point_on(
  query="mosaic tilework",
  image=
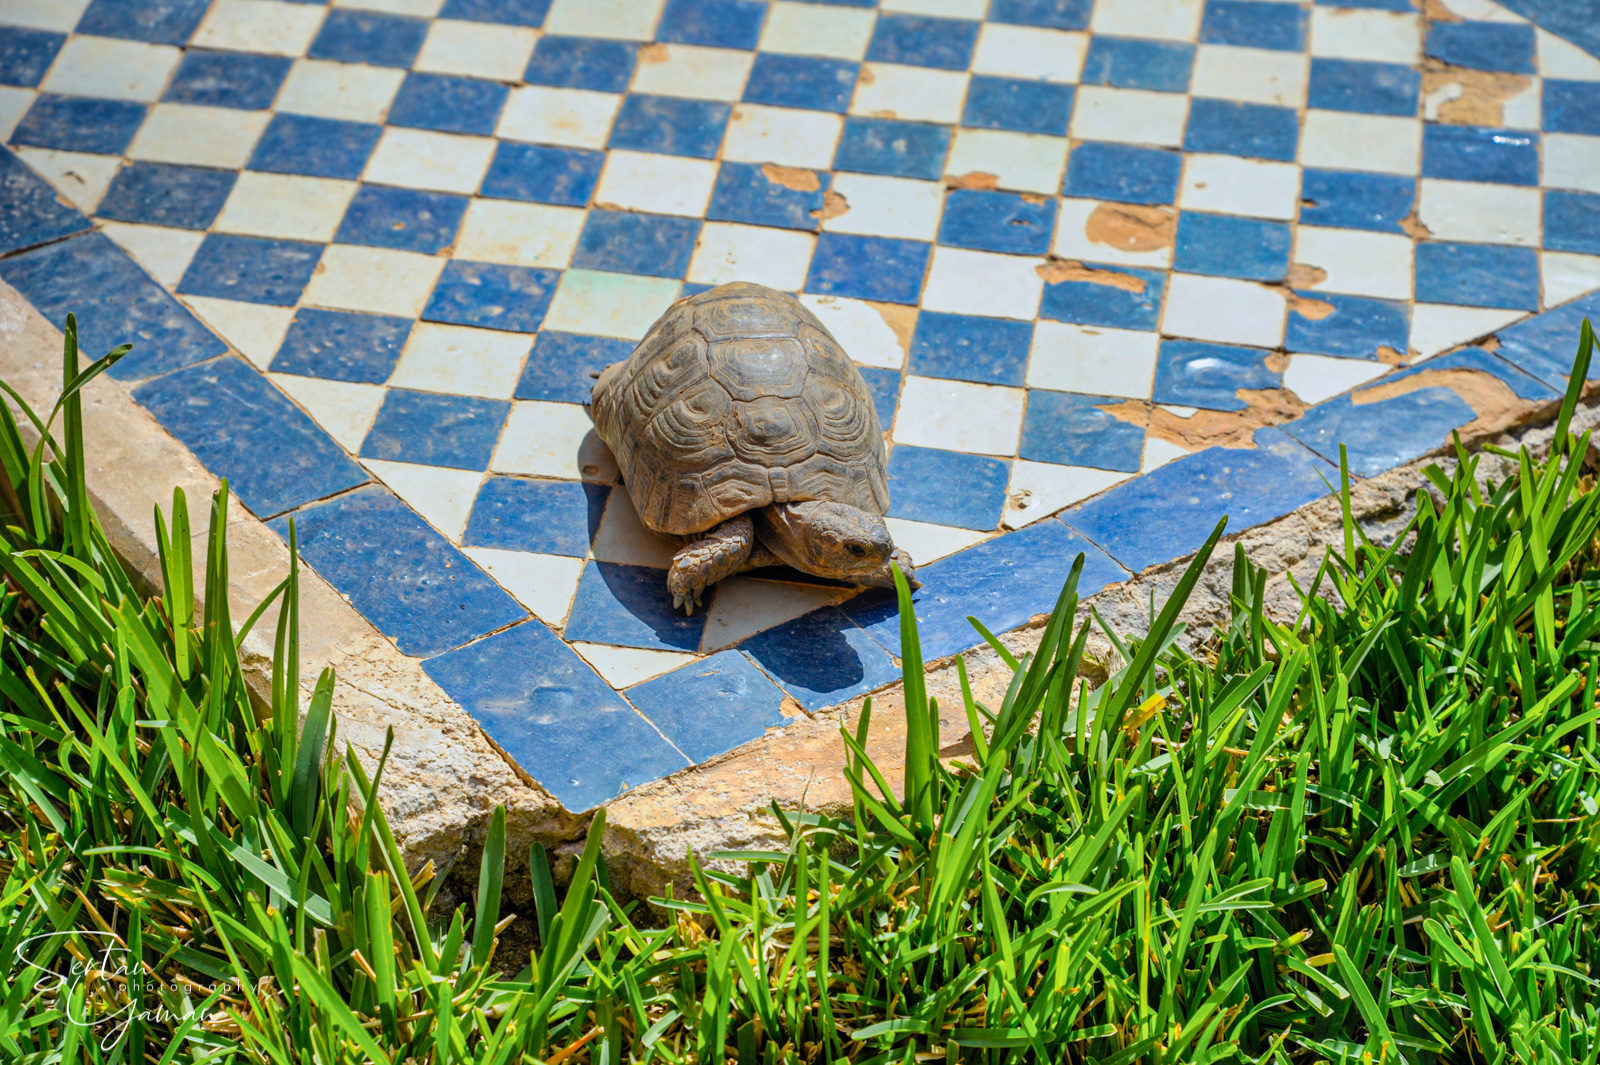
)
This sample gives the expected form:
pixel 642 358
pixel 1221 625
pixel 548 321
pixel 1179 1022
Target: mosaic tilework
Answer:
pixel 372 254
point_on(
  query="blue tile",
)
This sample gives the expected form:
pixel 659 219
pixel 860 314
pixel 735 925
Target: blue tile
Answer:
pixel 711 706
pixel 801 81
pixel 890 146
pixel 448 104
pixel 30 211
pixel 1483 46
pixel 1349 200
pixel 1131 63
pixel 1480 153
pixel 923 42
pixel 1122 172
pixel 885 388
pixel 26 54
pixel 563 366
pixel 1018 104
pixel 998 221
pixel 1057 14
pixel 868 268
pixel 79 124
pixel 1356 329
pixel 1071 430
pixel 1190 373
pixel 720 23
pixel 554 716
pixel 160 194
pixel 342 346
pixel 1117 306
pixel 156 21
pixel 1223 245
pixel 582 63
pixel 505 12
pixel 822 658
pixel 541 174
pixel 670 126
pixel 522 514
pixel 240 427
pixel 1572 106
pixel 1572 221
pixel 115 301
pixel 1252 24
pixel 965 347
pixel 1369 88
pixel 430 429
pixel 385 217
pixel 1168 513
pixel 633 243
pixel 923 482
pixel 1255 131
pixel 744 193
pixel 227 79
pixel 629 606
pixel 1478 275
pixel 318 147
pixel 1405 6
pixel 1575 22
pixel 368 37
pixel 1546 344
pixel 399 573
pixel 1003 583
pixel 252 269
pixel 491 296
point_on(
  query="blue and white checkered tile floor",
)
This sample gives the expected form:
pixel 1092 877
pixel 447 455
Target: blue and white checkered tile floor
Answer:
pixel 372 252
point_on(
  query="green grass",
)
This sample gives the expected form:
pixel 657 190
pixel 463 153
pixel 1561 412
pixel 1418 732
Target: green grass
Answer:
pixel 1369 834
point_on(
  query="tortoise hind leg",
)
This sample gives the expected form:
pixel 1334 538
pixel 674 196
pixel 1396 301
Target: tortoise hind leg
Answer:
pixel 720 553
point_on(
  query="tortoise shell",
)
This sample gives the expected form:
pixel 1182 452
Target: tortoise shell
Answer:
pixel 739 397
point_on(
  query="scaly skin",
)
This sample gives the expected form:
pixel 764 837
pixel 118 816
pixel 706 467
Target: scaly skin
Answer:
pixel 722 552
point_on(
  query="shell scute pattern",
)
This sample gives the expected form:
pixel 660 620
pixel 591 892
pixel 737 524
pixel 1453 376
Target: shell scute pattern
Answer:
pixel 773 431
pixel 745 317
pixel 750 368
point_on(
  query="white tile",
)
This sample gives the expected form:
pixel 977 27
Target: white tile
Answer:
pixel 1524 110
pixel 519 234
pixel 692 71
pixel 62 15
pixel 1124 234
pixel 982 282
pixel 1093 360
pixel 926 542
pixel 349 91
pixel 259 26
pixel 661 184
pixel 782 135
pixel 1437 327
pixel 254 329
pixel 777 258
pixel 1571 162
pixel 1024 162
pixel 409 8
pixel 744 607
pixel 633 20
pixel 198 136
pixel 1315 378
pixel 477 49
pixel 423 159
pixel 1357 263
pixel 1224 310
pixel 606 304
pixel 80 177
pixel 543 583
pixel 379 280
pixel 574 117
pixel 859 329
pixel 461 361
pixel 344 408
pixel 1029 52
pixel 623 538
pixel 1039 489
pixel 959 416
pixel 811 29
pixel 1480 11
pixel 164 252
pixel 1159 452
pixel 14 103
pixel 918 94
pixel 1130 115
pixel 1254 75
pixel 1559 58
pixel 623 667
pixel 1240 186
pixel 1479 212
pixel 970 9
pixel 109 67
pixel 285 206
pixel 888 206
pixel 1341 140
pixel 1355 33
pixel 442 496
pixel 1567 276
pixel 1176 20
pixel 553 440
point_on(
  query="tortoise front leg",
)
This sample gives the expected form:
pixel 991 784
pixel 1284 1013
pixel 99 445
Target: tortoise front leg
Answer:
pixel 720 553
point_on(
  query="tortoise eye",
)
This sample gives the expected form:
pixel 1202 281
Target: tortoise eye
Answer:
pixel 857 550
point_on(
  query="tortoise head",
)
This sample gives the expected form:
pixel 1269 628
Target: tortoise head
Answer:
pixel 831 540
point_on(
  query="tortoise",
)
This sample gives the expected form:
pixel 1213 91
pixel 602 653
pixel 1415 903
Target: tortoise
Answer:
pixel 743 429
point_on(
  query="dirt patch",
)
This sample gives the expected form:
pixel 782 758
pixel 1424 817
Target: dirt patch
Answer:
pixel 1132 227
pixel 1302 275
pixel 978 179
pixel 1213 428
pixel 866 76
pixel 1469 97
pixel 1313 309
pixel 797 178
pixel 1413 226
pixel 1435 11
pixel 833 205
pixel 1390 357
pixel 654 53
pixel 1491 399
pixel 899 317
pixel 1055 271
